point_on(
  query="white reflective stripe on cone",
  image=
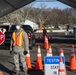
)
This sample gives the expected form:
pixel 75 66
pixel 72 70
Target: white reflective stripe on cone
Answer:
pixel 38 54
pixel 49 55
pixel 62 66
pixel 62 73
pixel 72 50
pixel 28 55
pixel 39 50
pixel 61 54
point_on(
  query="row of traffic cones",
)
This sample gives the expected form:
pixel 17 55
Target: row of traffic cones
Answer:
pixel 38 65
pixel 39 58
pixel 62 68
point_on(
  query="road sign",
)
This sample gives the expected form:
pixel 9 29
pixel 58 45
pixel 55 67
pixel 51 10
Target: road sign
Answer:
pixel 2 37
pixel 51 64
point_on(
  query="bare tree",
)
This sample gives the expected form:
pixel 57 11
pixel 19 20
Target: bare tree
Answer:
pixel 19 15
pixel 42 16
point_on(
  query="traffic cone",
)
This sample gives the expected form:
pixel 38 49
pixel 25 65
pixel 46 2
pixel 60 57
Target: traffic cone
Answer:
pixel 28 61
pixel 46 45
pixel 61 70
pixel 72 59
pixel 39 65
pixel 62 54
pixel 61 51
pixel 1 73
pixel 49 51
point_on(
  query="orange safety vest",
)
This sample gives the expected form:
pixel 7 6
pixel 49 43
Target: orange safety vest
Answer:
pixel 18 39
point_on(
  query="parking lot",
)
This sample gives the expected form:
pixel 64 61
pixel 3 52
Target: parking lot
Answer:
pixel 7 64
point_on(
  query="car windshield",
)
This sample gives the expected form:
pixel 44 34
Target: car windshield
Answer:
pixel 12 28
pixel 27 28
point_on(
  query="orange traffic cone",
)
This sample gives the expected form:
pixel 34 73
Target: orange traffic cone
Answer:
pixel 46 45
pixel 49 51
pixel 72 59
pixel 61 51
pixel 28 61
pixel 61 70
pixel 1 73
pixel 62 54
pixel 39 65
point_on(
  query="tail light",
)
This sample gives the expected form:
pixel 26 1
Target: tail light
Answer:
pixel 29 35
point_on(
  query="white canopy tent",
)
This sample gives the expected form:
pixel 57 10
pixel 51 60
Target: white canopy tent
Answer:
pixel 32 24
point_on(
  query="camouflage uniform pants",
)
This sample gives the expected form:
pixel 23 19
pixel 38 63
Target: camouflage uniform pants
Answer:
pixel 22 60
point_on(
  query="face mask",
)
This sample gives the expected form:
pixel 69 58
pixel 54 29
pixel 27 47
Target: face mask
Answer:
pixel 17 27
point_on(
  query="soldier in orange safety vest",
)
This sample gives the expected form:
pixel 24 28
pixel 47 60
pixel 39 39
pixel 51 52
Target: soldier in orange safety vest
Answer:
pixel 19 48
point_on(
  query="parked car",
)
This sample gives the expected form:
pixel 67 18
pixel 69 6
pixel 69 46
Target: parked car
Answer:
pixel 29 32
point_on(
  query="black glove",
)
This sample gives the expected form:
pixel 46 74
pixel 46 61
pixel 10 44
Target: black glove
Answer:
pixel 25 52
pixel 11 52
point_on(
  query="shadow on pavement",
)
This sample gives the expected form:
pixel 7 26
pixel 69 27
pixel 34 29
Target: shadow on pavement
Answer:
pixel 67 41
pixel 30 72
pixel 67 68
pixel 21 68
pixel 35 72
pixel 67 63
pixel 5 69
pixel 4 47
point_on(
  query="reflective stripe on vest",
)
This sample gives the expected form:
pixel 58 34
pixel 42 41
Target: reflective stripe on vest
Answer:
pixel 18 39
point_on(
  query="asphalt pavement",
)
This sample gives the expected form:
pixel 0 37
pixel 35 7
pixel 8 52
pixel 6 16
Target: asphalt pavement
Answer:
pixel 7 64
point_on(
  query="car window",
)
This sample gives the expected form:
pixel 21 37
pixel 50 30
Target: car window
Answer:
pixel 5 27
pixel 12 28
pixel 27 28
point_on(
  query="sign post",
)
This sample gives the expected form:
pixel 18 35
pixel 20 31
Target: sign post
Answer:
pixel 2 37
pixel 51 65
